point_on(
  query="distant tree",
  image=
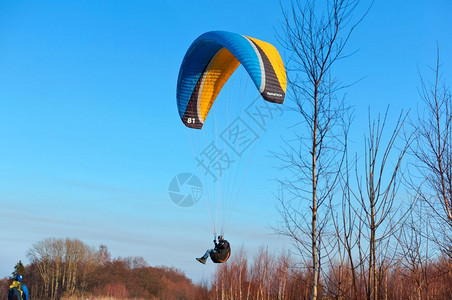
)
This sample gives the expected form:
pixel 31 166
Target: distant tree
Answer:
pixel 115 290
pixel 103 254
pixel 63 265
pixel 136 262
pixel 4 284
pixel 231 278
pixel 19 269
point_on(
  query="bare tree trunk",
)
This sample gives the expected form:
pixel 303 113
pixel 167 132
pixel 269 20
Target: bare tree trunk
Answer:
pixel 240 280
pixel 248 293
pixel 372 293
pixel 386 285
pixel 315 262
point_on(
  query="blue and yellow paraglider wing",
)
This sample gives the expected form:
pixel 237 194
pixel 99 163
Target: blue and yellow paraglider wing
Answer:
pixel 211 60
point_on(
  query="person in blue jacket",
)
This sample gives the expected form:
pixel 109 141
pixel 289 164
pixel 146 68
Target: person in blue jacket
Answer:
pixel 18 290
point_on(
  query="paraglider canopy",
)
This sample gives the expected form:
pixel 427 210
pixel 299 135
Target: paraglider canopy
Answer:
pixel 223 149
pixel 211 60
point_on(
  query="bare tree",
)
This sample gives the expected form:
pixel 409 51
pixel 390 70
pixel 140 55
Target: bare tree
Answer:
pixel 316 41
pixel 382 214
pixel 433 148
pixel 433 157
pixel 63 265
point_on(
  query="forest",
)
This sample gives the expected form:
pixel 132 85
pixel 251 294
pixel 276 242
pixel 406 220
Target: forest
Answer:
pixel 70 269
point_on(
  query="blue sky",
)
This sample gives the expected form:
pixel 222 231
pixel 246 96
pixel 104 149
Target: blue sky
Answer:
pixel 91 137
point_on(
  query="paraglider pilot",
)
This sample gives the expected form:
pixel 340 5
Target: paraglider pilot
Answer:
pixel 219 254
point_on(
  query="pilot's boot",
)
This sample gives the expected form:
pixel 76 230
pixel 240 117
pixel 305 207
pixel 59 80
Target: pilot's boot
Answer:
pixel 202 260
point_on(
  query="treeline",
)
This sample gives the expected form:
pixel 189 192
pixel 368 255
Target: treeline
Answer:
pixel 69 269
pixel 283 277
